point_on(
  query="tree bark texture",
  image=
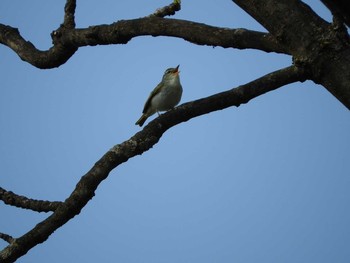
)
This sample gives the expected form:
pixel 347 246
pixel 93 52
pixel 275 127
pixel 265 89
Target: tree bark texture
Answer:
pixel 322 47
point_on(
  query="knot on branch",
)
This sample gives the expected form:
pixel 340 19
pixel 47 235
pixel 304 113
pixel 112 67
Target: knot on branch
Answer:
pixel 58 34
pixel 55 35
pixel 62 37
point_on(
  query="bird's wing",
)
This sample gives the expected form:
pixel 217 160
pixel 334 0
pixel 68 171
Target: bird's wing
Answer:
pixel 148 101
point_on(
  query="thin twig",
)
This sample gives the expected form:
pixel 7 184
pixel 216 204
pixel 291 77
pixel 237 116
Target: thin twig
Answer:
pixel 13 199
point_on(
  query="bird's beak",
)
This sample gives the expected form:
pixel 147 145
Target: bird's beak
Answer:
pixel 177 69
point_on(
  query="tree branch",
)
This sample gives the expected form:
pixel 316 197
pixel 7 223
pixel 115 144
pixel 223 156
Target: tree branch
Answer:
pixel 7 238
pixel 13 199
pixel 339 8
pixel 267 13
pixel 168 10
pixel 69 12
pixel 197 33
pixel 138 144
pixel 54 57
pixel 324 50
pixel 67 41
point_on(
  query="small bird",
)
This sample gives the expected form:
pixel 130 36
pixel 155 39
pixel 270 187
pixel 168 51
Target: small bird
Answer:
pixel 165 96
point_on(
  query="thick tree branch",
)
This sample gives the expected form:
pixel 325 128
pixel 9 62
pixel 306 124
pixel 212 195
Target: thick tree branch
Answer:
pixel 7 238
pixel 67 41
pixel 296 31
pixel 311 40
pixel 13 199
pixel 339 8
pixel 196 33
pixel 138 144
pixel 54 57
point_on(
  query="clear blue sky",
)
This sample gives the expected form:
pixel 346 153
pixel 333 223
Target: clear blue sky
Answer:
pixel 265 182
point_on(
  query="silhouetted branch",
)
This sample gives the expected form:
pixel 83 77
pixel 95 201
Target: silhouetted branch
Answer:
pixel 339 8
pixel 13 199
pixel 138 144
pixel 69 13
pixel 67 41
pixel 310 39
pixel 168 10
pixel 54 57
pixel 7 238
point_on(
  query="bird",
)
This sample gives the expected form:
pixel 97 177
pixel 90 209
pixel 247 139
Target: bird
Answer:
pixel 165 96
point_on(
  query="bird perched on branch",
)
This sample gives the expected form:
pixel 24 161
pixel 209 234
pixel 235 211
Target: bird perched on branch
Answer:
pixel 165 96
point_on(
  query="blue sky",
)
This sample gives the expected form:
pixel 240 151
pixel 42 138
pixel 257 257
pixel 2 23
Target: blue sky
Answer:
pixel 265 182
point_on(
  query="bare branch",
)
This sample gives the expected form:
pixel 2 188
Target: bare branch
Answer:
pixel 67 41
pixel 197 33
pixel 54 57
pixel 168 10
pixel 325 50
pixel 69 12
pixel 7 238
pixel 139 143
pixel 13 199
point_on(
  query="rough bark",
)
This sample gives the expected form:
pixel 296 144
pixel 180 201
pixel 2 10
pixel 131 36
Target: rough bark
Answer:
pixel 339 8
pixel 322 47
pixel 68 40
pixel 13 199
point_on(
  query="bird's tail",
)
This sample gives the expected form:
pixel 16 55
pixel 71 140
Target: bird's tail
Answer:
pixel 142 120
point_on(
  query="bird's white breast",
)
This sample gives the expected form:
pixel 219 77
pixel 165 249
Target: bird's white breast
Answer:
pixel 169 97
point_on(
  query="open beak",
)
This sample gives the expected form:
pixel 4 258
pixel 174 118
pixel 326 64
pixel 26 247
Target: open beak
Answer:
pixel 177 69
